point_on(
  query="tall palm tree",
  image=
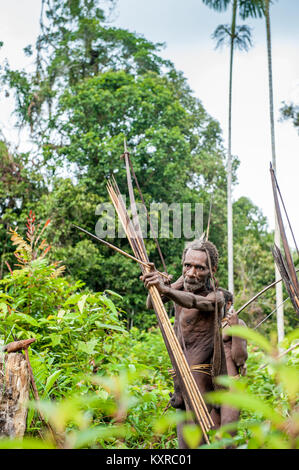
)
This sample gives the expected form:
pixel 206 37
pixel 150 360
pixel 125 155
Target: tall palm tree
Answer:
pixel 261 8
pixel 240 37
pixel 279 295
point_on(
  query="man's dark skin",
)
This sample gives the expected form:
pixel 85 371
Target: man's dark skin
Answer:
pixel 194 317
pixel 235 349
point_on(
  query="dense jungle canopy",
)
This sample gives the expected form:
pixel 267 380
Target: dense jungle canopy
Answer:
pixel 92 85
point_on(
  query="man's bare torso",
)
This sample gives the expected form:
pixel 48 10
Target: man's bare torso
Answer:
pixel 195 332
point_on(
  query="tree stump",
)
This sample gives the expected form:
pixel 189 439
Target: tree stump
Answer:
pixel 14 393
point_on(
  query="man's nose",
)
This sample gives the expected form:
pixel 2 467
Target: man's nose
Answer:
pixel 192 271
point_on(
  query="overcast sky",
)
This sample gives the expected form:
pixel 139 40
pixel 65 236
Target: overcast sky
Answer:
pixel 186 27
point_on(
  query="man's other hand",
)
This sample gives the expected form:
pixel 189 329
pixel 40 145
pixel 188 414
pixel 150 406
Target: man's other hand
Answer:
pixel 232 317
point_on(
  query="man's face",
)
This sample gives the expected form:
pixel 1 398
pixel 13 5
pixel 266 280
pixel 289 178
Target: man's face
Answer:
pixel 228 306
pixel 195 270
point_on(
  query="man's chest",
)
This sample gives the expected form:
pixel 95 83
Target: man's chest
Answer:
pixel 192 319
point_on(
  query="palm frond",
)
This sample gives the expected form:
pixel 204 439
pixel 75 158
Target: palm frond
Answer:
pixel 221 35
pixel 218 5
pixel 251 9
pixel 243 38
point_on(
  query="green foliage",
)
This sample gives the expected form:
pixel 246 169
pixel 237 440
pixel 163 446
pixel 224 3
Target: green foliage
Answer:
pixel 75 42
pixel 102 386
pixel 98 384
pixel 290 112
pixel 268 396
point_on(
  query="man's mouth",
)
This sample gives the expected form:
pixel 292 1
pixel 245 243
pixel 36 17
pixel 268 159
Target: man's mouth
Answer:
pixel 193 284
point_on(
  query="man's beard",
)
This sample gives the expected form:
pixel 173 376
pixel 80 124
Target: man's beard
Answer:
pixel 193 285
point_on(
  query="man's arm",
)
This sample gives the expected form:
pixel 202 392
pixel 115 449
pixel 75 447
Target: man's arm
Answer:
pixel 183 298
pixel 178 284
pixel 239 345
pixel 190 300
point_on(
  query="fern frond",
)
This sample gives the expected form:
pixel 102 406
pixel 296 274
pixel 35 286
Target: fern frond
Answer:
pixel 58 272
pixel 19 241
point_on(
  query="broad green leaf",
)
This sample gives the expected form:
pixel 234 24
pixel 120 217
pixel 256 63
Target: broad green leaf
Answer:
pixel 56 339
pixel 111 292
pixel 71 315
pixel 109 304
pixel 109 327
pixel 62 412
pixel 289 376
pixel 23 317
pixel 88 347
pixel 3 307
pixel 89 436
pixel 81 303
pixel 51 380
pixel 192 435
pixel 5 296
pixel 245 401
pixel 251 336
pixel 276 442
pixel 60 315
pixel 72 300
pixel 169 420
pixel 293 335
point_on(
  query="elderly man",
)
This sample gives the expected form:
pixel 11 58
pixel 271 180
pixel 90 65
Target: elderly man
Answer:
pixel 198 314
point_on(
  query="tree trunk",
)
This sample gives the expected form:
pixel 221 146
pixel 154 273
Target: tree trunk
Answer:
pixel 229 159
pixel 279 295
pixel 14 393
